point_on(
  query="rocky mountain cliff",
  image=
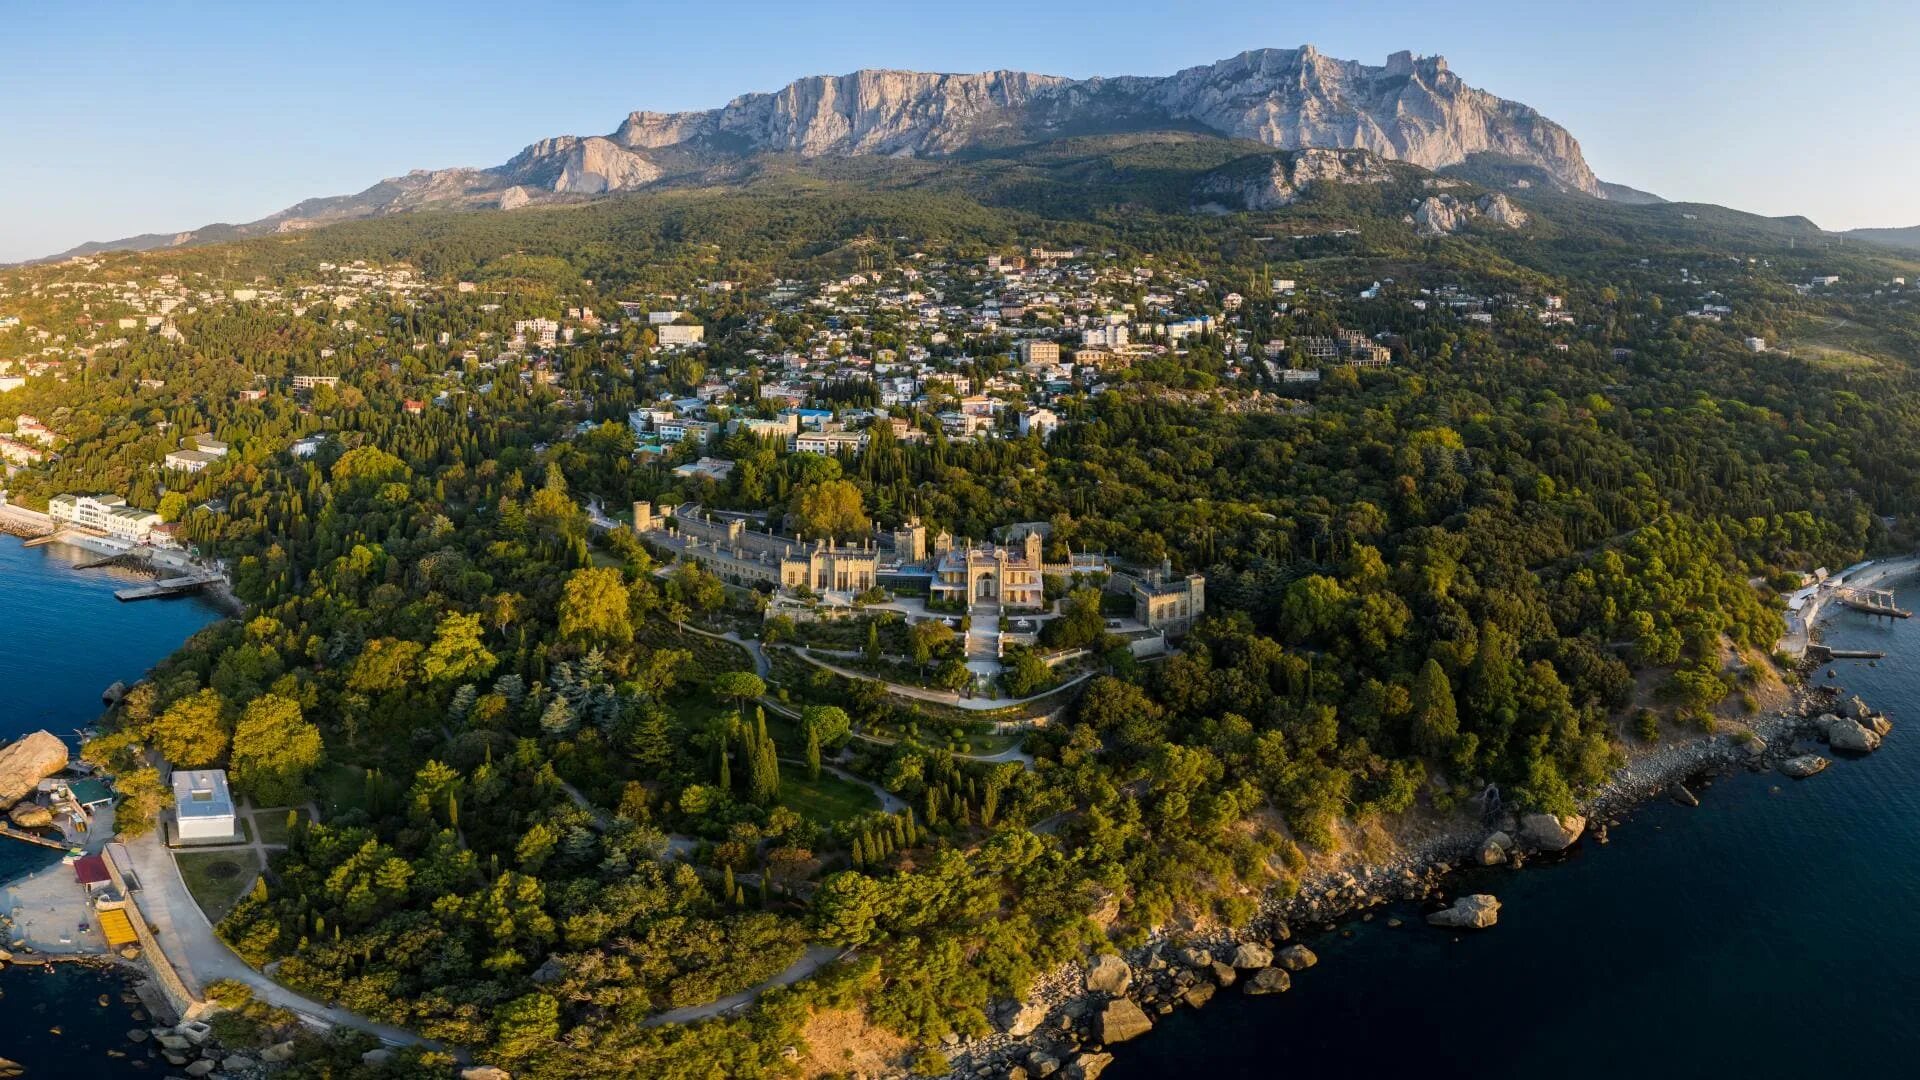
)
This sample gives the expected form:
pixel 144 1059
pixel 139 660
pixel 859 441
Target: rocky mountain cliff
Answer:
pixel 1411 109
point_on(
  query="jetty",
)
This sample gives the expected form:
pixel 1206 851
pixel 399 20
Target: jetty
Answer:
pixel 176 586
pixel 7 829
pixel 1871 601
pixel 1821 654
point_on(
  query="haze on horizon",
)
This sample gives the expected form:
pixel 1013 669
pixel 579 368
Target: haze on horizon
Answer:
pixel 170 116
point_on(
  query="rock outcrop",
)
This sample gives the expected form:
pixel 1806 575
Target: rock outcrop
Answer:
pixel 1476 912
pixel 1411 109
pixel 1122 1020
pixel 1251 954
pixel 1022 1019
pixel 30 816
pixel 27 761
pixel 1803 766
pixel 1270 980
pixel 1109 975
pixel 1493 850
pixel 1296 958
pixel 1444 215
pixel 1548 832
pixel 1848 734
pixel 1271 181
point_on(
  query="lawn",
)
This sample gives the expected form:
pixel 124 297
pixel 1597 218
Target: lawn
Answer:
pixel 826 800
pixel 218 879
pixel 273 824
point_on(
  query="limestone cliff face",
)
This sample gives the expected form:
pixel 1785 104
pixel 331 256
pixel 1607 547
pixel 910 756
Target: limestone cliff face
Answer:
pixel 1268 182
pixel 1411 109
pixel 1443 215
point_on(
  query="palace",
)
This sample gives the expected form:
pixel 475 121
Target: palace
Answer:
pixel 1162 601
pixel 728 548
pixel 989 573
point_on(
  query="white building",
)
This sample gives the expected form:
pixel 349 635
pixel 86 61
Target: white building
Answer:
pixel 1039 422
pixel 109 514
pixel 202 805
pixel 677 334
pixel 191 461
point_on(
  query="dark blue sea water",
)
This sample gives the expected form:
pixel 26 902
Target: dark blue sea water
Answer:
pixel 1770 932
pixel 64 639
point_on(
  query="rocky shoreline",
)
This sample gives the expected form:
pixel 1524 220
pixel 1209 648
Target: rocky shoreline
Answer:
pixel 1067 1026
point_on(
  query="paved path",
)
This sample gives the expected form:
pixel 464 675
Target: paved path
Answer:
pixel 815 958
pixel 942 697
pixel 889 802
pixel 202 958
pixel 761 665
pixel 1011 753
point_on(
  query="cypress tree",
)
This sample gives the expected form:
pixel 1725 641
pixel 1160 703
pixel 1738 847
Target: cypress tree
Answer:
pixel 813 753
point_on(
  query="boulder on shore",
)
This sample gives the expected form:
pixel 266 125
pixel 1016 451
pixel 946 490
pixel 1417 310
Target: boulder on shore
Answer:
pixel 1846 733
pixel 1270 980
pixel 1109 975
pixel 1024 1018
pixel 1683 795
pixel 1252 955
pixel 1803 766
pixel 1122 1020
pixel 1089 1066
pixel 31 816
pixel 27 761
pixel 1194 957
pixel 1296 958
pixel 1476 912
pixel 1549 832
pixel 1493 850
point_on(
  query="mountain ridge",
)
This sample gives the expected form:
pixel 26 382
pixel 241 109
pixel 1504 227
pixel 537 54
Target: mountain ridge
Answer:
pixel 1412 109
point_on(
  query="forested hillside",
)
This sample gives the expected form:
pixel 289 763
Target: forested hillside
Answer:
pixel 1557 526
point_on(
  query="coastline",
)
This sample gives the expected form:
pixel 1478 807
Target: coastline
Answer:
pixel 1059 1022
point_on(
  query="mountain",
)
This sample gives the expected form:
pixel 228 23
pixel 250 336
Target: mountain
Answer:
pixel 1907 239
pixel 1411 109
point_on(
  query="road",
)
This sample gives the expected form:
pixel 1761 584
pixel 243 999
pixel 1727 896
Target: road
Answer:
pixel 202 958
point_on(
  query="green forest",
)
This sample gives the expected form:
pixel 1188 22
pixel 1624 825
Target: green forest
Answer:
pixel 555 805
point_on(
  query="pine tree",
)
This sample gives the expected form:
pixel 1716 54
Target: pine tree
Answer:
pixel 728 889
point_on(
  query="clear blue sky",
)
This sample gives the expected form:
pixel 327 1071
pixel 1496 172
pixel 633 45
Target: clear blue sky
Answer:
pixel 156 116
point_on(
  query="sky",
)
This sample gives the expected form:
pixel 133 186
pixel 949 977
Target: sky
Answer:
pixel 161 116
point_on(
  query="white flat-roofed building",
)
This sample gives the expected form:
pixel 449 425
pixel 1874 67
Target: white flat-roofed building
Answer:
pixel 202 804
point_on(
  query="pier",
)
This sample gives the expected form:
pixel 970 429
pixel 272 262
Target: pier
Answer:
pixel 178 586
pixel 1872 602
pixel 7 829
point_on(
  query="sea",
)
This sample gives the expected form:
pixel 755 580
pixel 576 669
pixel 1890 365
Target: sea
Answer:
pixel 64 639
pixel 1769 932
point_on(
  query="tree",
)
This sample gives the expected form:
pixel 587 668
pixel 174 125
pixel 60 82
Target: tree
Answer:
pixel 927 639
pixel 457 652
pixel 594 607
pixel 738 687
pixel 828 509
pixel 275 749
pixel 829 723
pixel 526 1027
pixel 143 795
pixel 1435 722
pixel 813 754
pixel 193 732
